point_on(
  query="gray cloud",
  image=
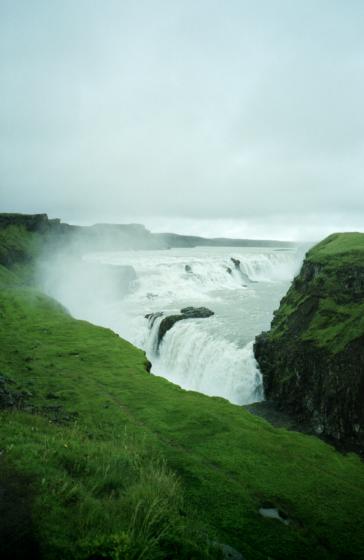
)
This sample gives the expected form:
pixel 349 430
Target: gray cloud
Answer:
pixel 239 112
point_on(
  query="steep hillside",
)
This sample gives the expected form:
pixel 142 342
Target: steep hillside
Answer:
pixel 312 359
pixel 101 459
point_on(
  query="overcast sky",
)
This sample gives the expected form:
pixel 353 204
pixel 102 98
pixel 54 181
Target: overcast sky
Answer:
pixel 229 117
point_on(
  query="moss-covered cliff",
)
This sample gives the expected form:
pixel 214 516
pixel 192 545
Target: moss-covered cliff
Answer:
pixel 312 359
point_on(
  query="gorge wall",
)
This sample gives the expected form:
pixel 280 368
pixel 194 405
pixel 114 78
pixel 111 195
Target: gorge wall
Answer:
pixel 312 359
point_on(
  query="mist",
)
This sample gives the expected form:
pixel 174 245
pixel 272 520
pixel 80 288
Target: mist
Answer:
pixel 89 290
pixel 82 286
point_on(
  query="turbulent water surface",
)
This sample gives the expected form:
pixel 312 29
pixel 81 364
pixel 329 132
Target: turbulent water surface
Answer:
pixel 212 355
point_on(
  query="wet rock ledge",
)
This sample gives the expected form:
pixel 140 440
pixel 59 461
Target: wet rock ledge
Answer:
pixel 170 320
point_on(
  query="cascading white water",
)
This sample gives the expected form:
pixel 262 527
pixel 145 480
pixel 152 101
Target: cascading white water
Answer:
pixel 269 267
pixel 161 273
pixel 199 361
pixel 212 355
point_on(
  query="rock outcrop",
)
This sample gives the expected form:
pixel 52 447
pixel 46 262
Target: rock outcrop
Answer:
pixel 196 312
pixel 170 320
pixel 312 359
pixel 236 263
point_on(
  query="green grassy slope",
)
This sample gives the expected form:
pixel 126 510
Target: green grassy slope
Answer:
pixel 114 453
pixel 327 298
pixel 338 244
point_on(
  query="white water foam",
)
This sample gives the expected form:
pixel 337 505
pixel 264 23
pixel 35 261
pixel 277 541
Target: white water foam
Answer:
pixel 163 275
pixel 197 360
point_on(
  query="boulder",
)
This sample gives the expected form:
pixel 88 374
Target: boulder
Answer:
pixel 196 312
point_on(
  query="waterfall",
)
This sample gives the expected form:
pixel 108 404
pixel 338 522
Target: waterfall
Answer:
pixel 161 275
pixel 213 355
pixel 200 361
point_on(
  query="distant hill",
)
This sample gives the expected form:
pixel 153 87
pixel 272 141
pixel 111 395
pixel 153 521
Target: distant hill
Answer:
pixel 177 240
pixel 124 236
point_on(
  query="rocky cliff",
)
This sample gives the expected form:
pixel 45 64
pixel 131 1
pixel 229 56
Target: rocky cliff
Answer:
pixel 312 359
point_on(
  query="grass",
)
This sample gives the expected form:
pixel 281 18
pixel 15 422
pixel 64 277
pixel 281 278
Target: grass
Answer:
pixel 8 277
pixel 17 244
pixel 335 326
pixel 124 464
pixel 327 309
pixel 338 244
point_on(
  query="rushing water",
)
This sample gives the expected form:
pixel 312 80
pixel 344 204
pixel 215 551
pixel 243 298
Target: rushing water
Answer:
pixel 212 355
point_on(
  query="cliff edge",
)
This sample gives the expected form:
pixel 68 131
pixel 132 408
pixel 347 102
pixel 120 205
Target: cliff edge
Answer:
pixel 312 359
